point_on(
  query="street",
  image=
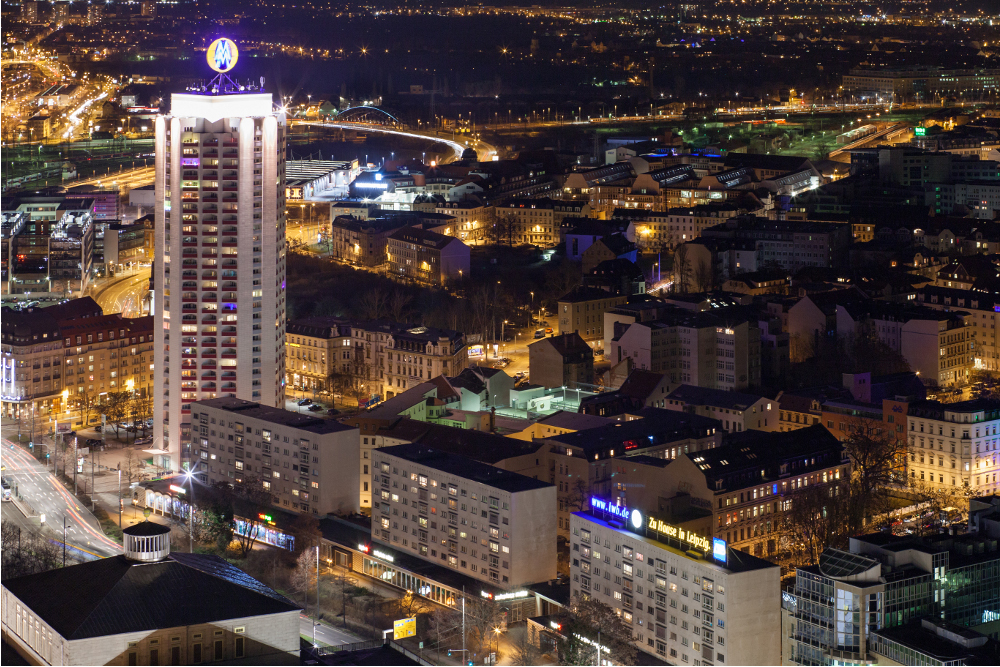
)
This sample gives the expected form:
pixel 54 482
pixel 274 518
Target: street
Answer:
pixel 37 486
pixel 327 635
pixel 124 295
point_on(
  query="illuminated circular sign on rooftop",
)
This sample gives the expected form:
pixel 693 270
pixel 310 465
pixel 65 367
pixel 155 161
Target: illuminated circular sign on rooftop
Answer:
pixel 222 55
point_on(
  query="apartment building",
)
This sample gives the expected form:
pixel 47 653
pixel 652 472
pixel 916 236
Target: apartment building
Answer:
pixel 316 349
pixel 688 598
pixel 983 320
pixel 582 311
pixel 538 221
pixel 561 361
pixel 471 218
pixel 308 464
pixel 939 346
pixel 57 357
pixel 668 230
pixel 480 521
pixel 883 582
pixel 414 354
pixel 594 460
pixel 792 245
pixel 720 350
pixel 220 255
pixel 955 445
pixel 427 257
pixel 736 411
pixel 362 241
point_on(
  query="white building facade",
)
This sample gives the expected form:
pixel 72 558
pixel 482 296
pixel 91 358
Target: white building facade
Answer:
pixel 689 599
pixel 219 273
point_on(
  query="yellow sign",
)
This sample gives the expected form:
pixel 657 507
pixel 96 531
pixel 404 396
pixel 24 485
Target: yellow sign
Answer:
pixel 222 55
pixel 679 534
pixel 403 628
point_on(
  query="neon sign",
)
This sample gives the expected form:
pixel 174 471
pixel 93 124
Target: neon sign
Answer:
pixel 679 534
pixel 616 510
pixel 383 556
pixel 719 549
pixel 222 55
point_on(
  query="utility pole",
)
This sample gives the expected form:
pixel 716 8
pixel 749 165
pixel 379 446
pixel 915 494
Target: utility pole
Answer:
pixel 93 489
pixel 598 648
pixel 64 540
pixel 464 654
pixel 119 495
pixel 191 517
pixel 76 460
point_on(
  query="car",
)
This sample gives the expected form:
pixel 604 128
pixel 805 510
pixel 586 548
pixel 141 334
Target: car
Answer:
pixel 520 374
pixel 540 333
pixel 98 428
pixel 333 411
pixel 91 442
pixel 315 407
pixel 548 330
pixel 305 401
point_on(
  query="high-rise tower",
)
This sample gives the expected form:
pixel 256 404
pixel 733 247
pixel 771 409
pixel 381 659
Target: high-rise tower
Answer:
pixel 220 252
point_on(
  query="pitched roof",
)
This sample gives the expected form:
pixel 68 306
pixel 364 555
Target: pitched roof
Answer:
pixel 733 400
pixel 657 426
pixel 640 384
pixel 115 595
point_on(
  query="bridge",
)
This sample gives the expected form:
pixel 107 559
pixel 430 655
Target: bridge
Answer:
pixel 368 115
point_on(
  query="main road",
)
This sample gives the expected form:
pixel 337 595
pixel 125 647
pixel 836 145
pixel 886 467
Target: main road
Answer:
pixel 125 295
pixel 485 151
pixel 35 483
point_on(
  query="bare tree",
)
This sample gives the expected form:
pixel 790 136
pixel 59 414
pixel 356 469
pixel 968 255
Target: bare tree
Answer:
pixel 399 304
pixel 24 552
pixel 482 619
pixel 525 650
pixel 303 578
pixel 682 269
pixel 373 304
pixel 878 462
pixel 251 502
pixel 589 617
pixel 131 465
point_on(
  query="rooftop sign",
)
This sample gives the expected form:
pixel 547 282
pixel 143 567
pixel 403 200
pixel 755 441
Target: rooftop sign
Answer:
pixel 222 55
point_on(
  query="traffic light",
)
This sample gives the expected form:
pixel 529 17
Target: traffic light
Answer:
pixel 449 653
pixel 31 445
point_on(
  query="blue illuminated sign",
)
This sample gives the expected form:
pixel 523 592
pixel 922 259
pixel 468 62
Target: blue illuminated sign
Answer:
pixel 719 549
pixel 617 510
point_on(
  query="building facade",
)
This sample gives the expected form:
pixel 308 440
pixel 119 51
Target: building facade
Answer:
pixel 954 445
pixel 310 465
pixel 220 257
pixel 491 524
pixel 689 599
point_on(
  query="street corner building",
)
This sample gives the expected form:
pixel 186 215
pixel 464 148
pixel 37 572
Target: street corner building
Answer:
pixel 688 598
pixel 148 607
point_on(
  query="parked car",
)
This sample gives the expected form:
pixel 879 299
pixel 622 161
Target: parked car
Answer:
pixel 315 407
pixel 333 411
pixel 540 333
pixel 305 401
pixel 98 428
pixel 548 330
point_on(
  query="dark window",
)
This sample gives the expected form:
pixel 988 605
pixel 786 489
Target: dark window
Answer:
pixel 196 653
pixel 154 656
pixel 133 658
pixel 218 649
pixel 175 655
pixel 239 647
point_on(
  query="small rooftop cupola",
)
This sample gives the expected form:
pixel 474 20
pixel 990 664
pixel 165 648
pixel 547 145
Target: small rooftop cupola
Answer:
pixel 147 542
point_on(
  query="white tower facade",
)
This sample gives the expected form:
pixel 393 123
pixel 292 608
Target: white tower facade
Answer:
pixel 219 274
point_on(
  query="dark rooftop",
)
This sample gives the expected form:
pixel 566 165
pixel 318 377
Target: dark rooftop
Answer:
pixel 277 416
pixel 114 595
pixel 465 467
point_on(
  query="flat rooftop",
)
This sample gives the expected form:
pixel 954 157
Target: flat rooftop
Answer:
pixel 461 466
pixel 277 416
